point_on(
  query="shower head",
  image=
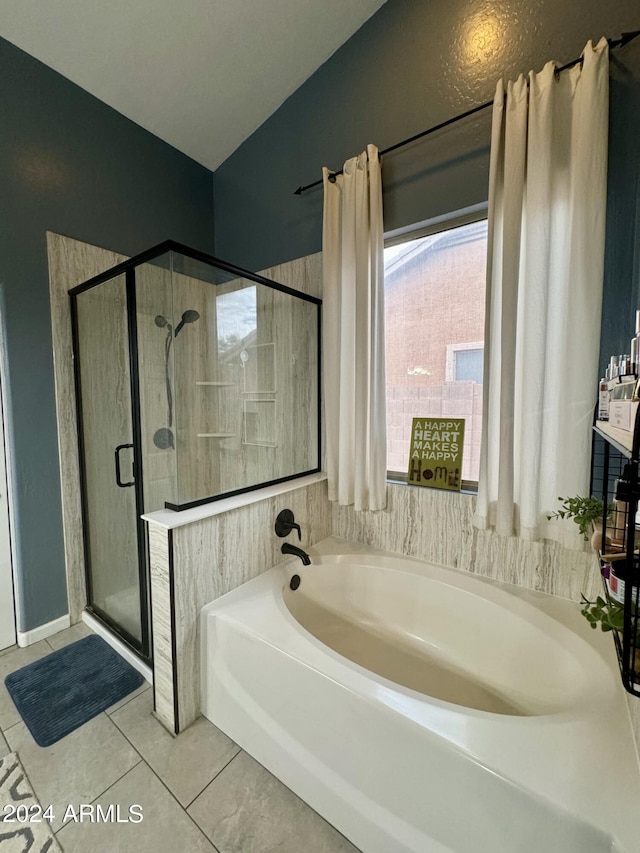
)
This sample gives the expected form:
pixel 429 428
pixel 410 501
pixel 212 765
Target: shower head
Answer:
pixel 161 321
pixel 189 316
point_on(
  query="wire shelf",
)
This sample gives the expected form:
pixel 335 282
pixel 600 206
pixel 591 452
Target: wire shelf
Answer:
pixel 614 479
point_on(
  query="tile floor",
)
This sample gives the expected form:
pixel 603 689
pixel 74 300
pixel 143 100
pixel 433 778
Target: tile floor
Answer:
pixel 198 792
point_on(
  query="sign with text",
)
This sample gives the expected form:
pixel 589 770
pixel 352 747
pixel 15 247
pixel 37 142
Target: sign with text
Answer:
pixel 435 457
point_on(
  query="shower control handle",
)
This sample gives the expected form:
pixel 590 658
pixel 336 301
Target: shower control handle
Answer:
pixel 285 524
pixel 118 471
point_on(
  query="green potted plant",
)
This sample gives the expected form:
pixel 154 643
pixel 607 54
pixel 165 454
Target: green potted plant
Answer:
pixel 584 511
pixel 610 616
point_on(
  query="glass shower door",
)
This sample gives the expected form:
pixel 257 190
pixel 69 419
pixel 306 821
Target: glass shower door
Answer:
pixel 111 494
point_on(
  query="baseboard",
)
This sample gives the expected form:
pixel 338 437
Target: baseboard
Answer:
pixel 28 638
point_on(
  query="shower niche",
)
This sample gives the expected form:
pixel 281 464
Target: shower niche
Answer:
pixel 259 389
pixel 195 380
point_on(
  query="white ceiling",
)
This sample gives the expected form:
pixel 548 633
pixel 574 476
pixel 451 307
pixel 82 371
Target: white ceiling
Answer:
pixel 200 74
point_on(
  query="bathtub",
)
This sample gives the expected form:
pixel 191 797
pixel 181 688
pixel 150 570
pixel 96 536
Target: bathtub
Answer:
pixel 419 708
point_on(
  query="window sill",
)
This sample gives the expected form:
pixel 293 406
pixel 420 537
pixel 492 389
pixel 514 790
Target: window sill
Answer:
pixel 399 479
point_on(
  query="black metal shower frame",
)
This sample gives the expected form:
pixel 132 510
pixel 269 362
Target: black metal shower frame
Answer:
pixel 142 646
pixel 128 268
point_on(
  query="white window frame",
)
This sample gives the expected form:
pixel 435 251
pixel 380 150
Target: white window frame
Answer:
pixel 445 222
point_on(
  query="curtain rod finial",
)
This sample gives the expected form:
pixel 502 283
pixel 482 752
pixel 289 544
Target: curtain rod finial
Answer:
pixel 624 39
pixel 627 37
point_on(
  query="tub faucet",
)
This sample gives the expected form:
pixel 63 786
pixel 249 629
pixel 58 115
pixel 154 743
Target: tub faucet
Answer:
pixel 285 523
pixel 288 548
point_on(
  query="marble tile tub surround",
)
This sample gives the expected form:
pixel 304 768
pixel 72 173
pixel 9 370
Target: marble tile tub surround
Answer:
pixel 437 526
pixel 196 563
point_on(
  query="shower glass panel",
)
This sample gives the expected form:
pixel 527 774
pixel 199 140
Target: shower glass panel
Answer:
pixel 240 407
pixel 104 405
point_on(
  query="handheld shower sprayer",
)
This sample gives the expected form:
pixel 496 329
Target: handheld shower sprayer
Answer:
pixel 163 438
pixel 189 316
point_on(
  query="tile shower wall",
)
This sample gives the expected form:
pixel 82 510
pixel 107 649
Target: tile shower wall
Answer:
pixel 70 263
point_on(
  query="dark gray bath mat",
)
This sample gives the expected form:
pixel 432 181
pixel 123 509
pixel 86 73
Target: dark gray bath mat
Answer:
pixel 17 799
pixel 65 689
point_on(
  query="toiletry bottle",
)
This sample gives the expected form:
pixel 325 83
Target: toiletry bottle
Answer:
pixel 618 577
pixel 613 367
pixel 635 350
pixel 623 573
pixel 603 400
pixel 618 530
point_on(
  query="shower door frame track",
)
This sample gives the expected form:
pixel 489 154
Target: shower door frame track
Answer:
pixel 195 255
pixel 141 527
pixel 142 647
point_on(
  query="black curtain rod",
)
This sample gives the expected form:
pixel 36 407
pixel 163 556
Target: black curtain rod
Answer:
pixel 624 39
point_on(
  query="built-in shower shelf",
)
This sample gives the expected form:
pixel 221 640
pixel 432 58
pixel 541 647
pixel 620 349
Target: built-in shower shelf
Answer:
pixel 218 384
pixel 216 434
pixel 259 443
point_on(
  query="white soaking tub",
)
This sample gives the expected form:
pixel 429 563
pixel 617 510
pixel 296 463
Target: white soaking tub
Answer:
pixel 419 708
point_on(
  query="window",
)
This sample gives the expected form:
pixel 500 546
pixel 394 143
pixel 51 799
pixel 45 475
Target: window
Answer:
pixel 434 313
pixel 469 366
pixel 465 362
pixel 236 318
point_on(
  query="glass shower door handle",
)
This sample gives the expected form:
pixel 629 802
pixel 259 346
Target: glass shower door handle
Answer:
pixel 119 448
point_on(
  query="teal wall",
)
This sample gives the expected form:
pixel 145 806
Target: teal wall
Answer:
pixel 70 164
pixel 622 255
pixel 409 67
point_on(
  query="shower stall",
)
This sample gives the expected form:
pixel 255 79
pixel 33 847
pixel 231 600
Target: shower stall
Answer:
pixel 195 380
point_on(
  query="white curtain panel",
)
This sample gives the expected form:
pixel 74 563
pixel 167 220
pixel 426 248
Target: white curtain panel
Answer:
pixel 353 333
pixel 547 201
